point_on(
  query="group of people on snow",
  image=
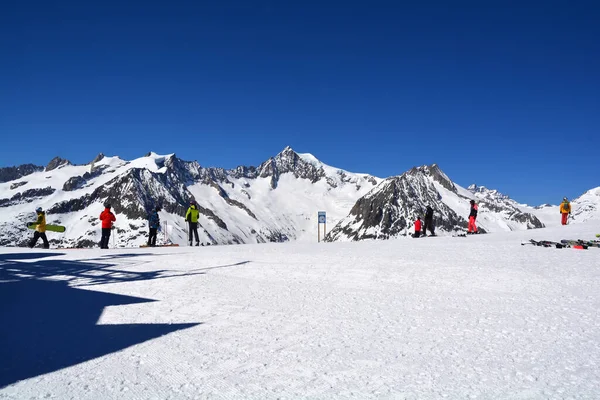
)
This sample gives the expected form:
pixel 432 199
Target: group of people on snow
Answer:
pixel 107 217
pixel 191 217
pixel 421 227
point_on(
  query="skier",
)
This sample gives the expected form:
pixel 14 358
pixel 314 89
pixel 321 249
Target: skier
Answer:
pixel 565 210
pixel 191 217
pixel 428 225
pixel 472 229
pixel 107 218
pixel 154 225
pixel 40 229
pixel 417 228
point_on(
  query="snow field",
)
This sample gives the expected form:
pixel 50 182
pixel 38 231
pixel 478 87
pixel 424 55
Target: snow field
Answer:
pixel 475 317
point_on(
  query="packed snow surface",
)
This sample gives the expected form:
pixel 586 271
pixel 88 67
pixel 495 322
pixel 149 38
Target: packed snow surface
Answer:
pixel 479 317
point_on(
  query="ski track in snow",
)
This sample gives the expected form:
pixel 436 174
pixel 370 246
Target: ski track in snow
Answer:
pixel 480 317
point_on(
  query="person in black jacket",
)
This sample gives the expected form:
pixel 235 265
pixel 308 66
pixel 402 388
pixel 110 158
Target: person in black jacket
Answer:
pixel 472 229
pixel 428 222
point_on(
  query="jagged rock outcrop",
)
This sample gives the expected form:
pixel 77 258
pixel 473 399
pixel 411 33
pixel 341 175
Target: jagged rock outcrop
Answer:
pixel 16 185
pixel 27 196
pixel 73 183
pixel 8 174
pixel 56 162
pixel 98 158
pixel 288 161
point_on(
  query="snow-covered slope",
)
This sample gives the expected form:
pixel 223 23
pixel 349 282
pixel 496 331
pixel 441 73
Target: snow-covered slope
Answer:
pixel 480 317
pixel 587 206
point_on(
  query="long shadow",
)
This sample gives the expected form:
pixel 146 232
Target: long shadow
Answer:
pixel 47 325
pixel 78 272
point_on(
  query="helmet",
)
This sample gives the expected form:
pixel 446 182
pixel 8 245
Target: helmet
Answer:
pixel 565 199
pixel 107 204
pixel 158 208
pixel 39 209
pixel 472 202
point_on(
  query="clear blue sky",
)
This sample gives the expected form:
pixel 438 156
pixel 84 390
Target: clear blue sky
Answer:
pixel 502 94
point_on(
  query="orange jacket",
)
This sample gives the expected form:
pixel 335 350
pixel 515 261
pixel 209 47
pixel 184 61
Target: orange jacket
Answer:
pixel 565 207
pixel 107 218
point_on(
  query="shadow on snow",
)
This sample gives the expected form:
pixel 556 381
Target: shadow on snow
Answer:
pixel 47 325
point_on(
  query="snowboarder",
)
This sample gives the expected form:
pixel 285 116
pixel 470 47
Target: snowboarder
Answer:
pixel 472 229
pixel 40 229
pixel 191 217
pixel 107 218
pixel 154 225
pixel 565 210
pixel 428 225
pixel 417 228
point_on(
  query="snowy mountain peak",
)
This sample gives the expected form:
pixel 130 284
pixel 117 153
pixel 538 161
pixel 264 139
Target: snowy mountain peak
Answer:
pixel 482 192
pixel 57 162
pixel 8 174
pixel 288 161
pixel 99 157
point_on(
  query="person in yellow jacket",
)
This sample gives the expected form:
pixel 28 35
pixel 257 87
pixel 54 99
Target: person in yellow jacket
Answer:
pixel 191 217
pixel 565 210
pixel 40 229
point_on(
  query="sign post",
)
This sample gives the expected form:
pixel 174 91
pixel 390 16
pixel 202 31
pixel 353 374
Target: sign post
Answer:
pixel 322 219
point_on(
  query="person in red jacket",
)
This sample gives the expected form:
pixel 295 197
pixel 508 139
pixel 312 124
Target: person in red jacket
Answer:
pixel 107 218
pixel 417 228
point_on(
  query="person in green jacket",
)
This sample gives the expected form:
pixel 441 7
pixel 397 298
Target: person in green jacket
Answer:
pixel 191 217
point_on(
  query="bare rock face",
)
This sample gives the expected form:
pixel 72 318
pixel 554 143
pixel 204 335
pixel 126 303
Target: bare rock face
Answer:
pixel 8 174
pixel 56 162
pixel 15 185
pixel 288 161
pixel 27 196
pixel 74 183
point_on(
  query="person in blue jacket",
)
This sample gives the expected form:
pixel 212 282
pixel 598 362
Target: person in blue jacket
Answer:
pixel 154 225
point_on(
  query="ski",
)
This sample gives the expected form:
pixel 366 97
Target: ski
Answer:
pixel 588 243
pixel 545 243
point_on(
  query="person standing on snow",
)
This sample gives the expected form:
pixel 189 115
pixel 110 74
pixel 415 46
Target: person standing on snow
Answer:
pixel 565 210
pixel 107 218
pixel 472 229
pixel 191 217
pixel 417 228
pixel 154 225
pixel 40 229
pixel 428 225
